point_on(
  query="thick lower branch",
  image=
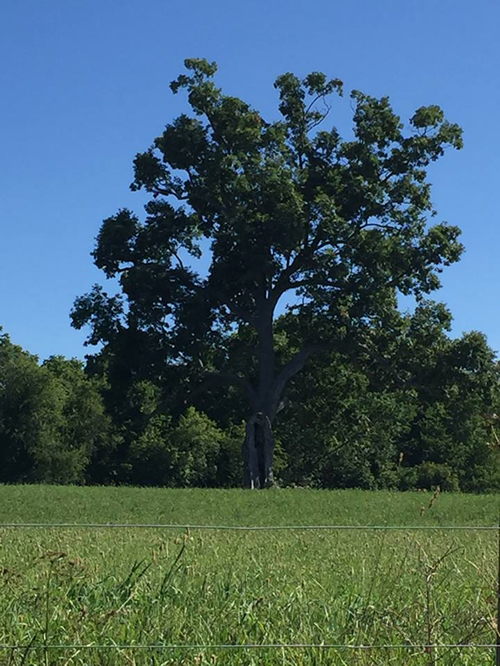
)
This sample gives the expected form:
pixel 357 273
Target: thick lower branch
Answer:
pixel 294 366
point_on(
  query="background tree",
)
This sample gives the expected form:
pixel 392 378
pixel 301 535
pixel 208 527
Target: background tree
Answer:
pixel 413 409
pixel 286 212
pixel 52 419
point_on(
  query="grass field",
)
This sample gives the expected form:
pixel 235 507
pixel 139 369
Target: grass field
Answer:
pixel 95 586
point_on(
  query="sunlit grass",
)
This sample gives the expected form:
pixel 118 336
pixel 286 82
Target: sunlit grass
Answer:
pixel 140 586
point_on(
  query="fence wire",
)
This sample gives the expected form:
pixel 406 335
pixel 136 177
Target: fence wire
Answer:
pixel 250 528
pixel 246 646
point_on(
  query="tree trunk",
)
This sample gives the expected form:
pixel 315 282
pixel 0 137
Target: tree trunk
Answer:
pixel 258 450
pixel 258 447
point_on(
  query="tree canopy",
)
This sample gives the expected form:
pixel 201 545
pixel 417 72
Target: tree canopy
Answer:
pixel 286 214
pixel 52 418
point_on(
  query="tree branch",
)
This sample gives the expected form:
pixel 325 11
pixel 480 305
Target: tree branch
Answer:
pixel 307 252
pixel 293 366
pixel 283 284
pixel 168 192
pixel 181 264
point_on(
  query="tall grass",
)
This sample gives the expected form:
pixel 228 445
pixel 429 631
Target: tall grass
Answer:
pixel 138 587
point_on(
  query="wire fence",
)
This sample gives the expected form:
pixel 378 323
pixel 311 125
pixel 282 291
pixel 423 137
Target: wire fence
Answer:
pixel 248 646
pixel 231 647
pixel 253 528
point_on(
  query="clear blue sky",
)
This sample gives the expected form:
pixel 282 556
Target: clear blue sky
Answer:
pixel 84 86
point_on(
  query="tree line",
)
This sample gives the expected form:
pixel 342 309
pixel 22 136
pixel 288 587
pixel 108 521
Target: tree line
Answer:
pixel 255 332
pixel 419 413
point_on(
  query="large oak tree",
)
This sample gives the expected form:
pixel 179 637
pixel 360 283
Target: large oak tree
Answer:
pixel 288 215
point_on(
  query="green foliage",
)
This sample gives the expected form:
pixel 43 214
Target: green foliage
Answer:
pixel 25 411
pixel 429 476
pixel 288 217
pixel 408 397
pixel 196 442
pixel 414 409
pixel 341 433
pixel 52 419
pixel 54 428
pixel 83 428
pixel 184 455
pixel 148 459
pixel 289 210
pixel 457 395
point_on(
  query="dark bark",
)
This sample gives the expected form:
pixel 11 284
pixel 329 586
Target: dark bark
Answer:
pixel 294 366
pixel 266 362
pixel 258 447
pixel 258 450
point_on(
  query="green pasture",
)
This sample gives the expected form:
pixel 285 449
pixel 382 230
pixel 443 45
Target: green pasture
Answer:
pixel 140 586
